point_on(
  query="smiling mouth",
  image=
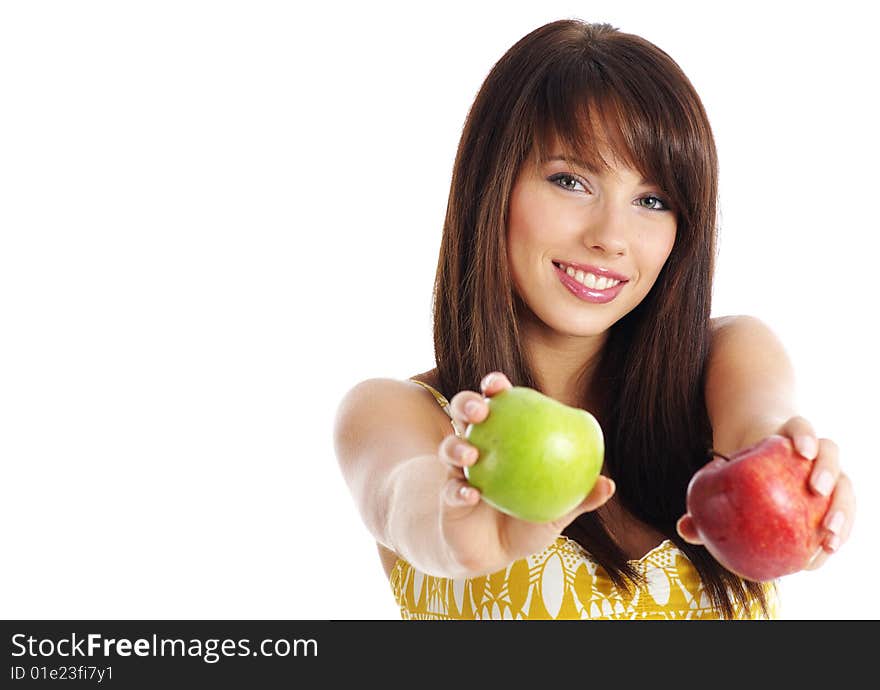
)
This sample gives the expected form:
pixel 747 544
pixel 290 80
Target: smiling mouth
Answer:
pixel 590 281
pixel 596 295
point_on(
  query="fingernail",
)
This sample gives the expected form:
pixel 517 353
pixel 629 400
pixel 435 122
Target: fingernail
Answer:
pixel 833 543
pixel 824 483
pixel 835 524
pixel 467 455
pixel 487 379
pixel 464 491
pixel 806 445
pixel 471 408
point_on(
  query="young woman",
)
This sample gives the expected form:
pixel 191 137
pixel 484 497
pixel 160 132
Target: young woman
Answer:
pixel 577 259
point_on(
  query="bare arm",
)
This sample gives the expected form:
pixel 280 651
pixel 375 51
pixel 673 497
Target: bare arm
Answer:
pixel 405 472
pixel 750 394
pixel 386 440
pixel 750 383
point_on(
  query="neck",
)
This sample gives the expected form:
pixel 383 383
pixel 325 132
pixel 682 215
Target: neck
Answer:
pixel 563 364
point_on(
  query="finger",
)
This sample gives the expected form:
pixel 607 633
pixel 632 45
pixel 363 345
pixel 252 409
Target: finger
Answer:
pixel 840 514
pixel 802 434
pixel 458 493
pixel 468 407
pixel 839 517
pixel 686 529
pixel 494 382
pixel 818 559
pixel 456 452
pixel 826 470
pixel 602 490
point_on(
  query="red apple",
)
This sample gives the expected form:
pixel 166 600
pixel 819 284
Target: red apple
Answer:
pixel 755 512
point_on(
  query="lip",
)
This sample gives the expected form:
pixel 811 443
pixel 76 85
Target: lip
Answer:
pixel 585 293
pixel 595 270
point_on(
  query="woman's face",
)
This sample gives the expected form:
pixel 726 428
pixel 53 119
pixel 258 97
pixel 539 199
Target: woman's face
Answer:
pixel 612 223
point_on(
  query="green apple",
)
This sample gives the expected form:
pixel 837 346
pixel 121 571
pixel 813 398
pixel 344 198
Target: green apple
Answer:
pixel 539 458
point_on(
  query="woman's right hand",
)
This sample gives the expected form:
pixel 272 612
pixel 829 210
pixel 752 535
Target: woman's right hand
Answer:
pixel 480 538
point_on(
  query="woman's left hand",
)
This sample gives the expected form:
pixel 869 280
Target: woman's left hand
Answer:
pixel 826 479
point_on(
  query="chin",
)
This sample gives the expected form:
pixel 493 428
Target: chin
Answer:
pixel 581 326
pixel 566 317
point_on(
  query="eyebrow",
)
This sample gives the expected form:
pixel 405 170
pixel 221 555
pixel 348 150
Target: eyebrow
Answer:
pixel 583 165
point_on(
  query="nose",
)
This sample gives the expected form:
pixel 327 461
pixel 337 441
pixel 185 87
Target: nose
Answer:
pixel 607 232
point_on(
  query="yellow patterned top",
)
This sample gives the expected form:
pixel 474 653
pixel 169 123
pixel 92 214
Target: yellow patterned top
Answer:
pixel 563 582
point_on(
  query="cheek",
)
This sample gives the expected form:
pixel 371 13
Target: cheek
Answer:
pixel 524 229
pixel 524 235
pixel 660 248
pixel 669 247
pixel 517 259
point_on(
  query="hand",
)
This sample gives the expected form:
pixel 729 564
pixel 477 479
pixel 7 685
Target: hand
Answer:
pixel 826 479
pixel 480 537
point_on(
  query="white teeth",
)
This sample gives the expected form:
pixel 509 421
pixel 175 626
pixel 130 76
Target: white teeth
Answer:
pixel 590 280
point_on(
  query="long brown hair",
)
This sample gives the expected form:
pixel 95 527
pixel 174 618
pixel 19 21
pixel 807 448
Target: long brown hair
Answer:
pixel 649 380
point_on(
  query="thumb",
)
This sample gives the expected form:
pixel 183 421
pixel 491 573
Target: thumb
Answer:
pixel 602 490
pixel 687 530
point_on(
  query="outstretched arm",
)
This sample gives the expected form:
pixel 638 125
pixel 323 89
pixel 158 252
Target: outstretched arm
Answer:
pixel 750 384
pixel 750 394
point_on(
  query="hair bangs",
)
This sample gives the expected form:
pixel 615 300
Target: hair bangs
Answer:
pixel 598 128
pixel 573 121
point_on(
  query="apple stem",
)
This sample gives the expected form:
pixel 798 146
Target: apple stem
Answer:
pixel 713 453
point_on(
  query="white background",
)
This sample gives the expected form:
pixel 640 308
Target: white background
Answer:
pixel 217 217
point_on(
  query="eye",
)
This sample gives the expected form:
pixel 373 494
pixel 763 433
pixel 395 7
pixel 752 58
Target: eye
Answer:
pixel 663 205
pixel 566 176
pixel 659 203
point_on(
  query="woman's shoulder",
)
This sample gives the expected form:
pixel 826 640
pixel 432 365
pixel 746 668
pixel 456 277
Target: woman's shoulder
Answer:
pixel 389 385
pixel 404 395
pixel 432 385
pixel 717 322
pixel 430 377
